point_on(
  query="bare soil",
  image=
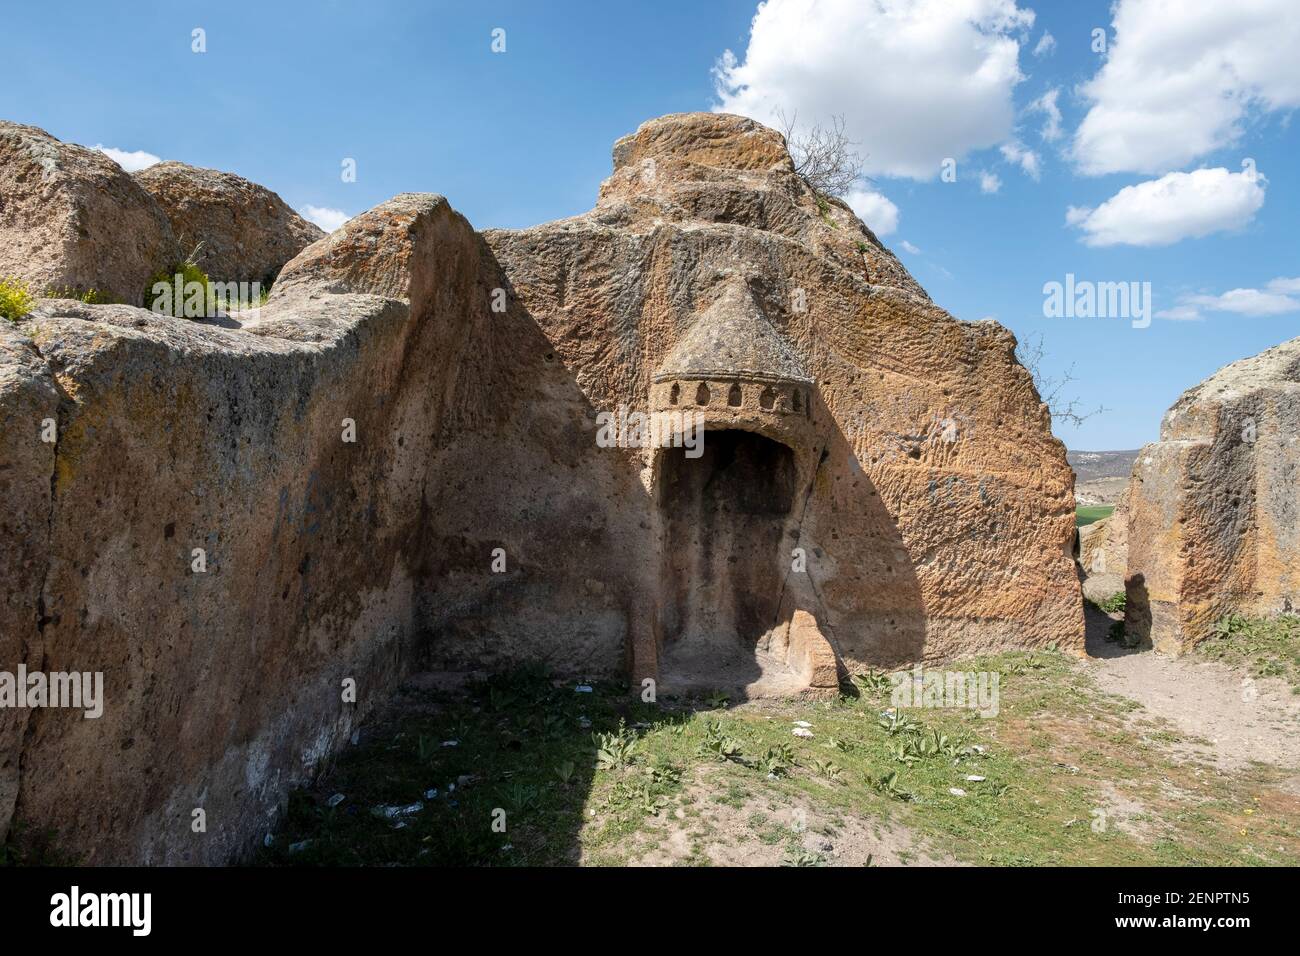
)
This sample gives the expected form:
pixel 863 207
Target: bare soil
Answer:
pixel 761 831
pixel 1229 718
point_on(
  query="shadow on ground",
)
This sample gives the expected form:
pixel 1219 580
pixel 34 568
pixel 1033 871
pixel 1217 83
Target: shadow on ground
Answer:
pixel 1103 634
pixel 460 770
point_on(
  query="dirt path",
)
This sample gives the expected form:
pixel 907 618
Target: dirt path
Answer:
pixel 1229 717
pixel 764 832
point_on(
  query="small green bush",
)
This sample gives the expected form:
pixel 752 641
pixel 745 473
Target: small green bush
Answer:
pixel 190 274
pixel 1116 602
pixel 15 299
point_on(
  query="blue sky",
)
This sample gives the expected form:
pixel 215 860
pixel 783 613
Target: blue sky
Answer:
pixel 415 94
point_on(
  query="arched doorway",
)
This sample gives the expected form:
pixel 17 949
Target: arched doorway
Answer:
pixel 724 516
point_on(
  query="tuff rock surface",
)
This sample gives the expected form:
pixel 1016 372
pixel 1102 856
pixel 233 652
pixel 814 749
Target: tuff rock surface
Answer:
pixel 242 232
pixel 1103 552
pixel 223 685
pixel 1214 514
pixel 398 459
pixel 71 220
pixel 931 501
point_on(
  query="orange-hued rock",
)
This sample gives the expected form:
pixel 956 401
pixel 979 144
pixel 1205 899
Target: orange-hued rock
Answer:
pixel 932 507
pixel 1214 514
pixel 431 445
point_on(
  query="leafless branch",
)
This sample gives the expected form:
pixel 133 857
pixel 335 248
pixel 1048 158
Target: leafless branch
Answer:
pixel 1030 352
pixel 823 155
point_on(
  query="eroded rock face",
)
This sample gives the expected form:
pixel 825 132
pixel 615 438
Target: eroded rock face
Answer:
pixel 1214 517
pixel 378 253
pixel 71 220
pixel 345 445
pixel 1103 553
pixel 401 454
pixel 242 232
pixel 29 400
pixel 934 508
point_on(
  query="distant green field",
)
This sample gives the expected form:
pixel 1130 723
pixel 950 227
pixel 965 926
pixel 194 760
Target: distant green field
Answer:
pixel 1087 514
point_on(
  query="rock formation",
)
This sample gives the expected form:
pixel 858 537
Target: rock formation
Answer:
pixel 224 678
pixel 71 220
pixel 904 454
pixel 1103 552
pixel 399 460
pixel 1214 516
pixel 242 232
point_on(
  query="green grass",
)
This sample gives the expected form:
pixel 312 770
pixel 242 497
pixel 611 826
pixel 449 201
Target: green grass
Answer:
pixel 15 299
pixel 235 305
pixel 1266 647
pixel 87 296
pixel 641 773
pixel 1087 514
pixel 523 746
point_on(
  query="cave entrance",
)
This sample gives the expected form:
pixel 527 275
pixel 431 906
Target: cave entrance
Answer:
pixel 724 516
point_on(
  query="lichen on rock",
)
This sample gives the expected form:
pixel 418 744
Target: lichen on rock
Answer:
pixel 396 459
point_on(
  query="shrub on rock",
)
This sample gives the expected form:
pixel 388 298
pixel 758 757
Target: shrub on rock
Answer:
pixel 240 231
pixel 15 299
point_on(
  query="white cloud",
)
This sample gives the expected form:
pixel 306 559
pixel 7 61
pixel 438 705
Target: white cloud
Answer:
pixel 1180 79
pixel 1177 206
pixel 908 247
pixel 328 219
pixel 1180 313
pixel 1275 298
pixel 1045 45
pixel 1046 104
pixel 1026 159
pixel 1285 286
pixel 917 81
pixel 990 182
pixel 130 160
pixel 874 209
pixel 1247 302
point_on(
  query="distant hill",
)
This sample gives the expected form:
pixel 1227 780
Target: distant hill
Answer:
pixel 1101 476
pixel 1089 465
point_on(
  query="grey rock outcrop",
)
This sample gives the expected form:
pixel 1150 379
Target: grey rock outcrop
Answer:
pixel 72 221
pixel 242 232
